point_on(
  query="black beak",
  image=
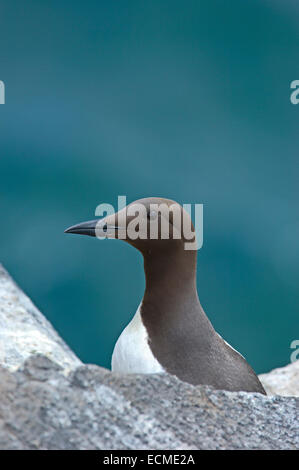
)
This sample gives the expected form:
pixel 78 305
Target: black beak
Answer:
pixel 85 228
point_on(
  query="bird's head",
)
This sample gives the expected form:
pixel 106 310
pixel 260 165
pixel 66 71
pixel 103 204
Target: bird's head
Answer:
pixel 150 225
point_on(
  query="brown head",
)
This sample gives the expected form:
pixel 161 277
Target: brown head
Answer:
pixel 155 226
pixel 161 229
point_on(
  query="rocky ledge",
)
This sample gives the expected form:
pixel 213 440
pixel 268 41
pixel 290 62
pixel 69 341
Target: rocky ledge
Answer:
pixel 50 400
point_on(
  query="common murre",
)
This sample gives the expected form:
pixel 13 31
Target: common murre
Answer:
pixel 170 332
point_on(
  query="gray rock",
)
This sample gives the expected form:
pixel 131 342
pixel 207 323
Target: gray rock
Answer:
pixel 91 408
pixel 25 331
pixel 50 400
pixel 283 381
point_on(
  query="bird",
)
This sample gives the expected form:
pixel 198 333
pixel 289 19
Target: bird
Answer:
pixel 170 332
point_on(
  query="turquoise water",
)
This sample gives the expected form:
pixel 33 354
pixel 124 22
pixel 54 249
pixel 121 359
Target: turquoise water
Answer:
pixel 185 101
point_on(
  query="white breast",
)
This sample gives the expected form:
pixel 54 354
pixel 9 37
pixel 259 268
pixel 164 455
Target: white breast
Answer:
pixel 132 353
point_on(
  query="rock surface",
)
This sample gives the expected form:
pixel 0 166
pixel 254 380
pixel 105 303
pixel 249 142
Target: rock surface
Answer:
pixel 25 331
pixel 50 400
pixel 283 381
pixel 91 408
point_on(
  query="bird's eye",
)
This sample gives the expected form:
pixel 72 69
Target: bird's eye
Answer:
pixel 152 215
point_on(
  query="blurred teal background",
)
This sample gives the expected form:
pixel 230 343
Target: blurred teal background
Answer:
pixel 185 100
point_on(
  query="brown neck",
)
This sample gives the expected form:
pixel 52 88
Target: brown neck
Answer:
pixel 170 275
pixel 170 310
